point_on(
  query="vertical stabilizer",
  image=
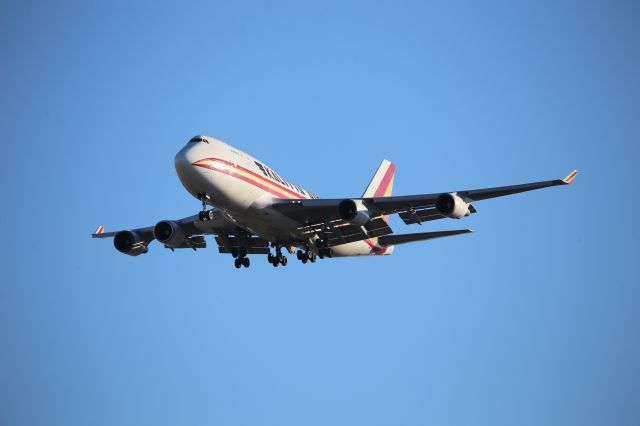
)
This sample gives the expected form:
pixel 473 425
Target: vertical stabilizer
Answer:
pixel 382 183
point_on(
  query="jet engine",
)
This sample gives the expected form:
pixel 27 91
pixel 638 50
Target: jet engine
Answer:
pixel 354 212
pixel 451 205
pixel 129 242
pixel 169 233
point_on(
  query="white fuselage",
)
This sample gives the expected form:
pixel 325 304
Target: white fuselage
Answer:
pixel 243 189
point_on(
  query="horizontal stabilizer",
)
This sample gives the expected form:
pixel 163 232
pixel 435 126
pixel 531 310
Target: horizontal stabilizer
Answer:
pixel 420 236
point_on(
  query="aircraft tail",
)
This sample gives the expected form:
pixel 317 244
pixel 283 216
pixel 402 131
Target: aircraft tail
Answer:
pixel 382 183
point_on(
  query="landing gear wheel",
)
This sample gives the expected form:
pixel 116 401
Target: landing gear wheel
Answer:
pixel 303 256
pixel 234 253
pixel 201 216
pixel 209 215
pixel 245 262
pixel 312 257
pixel 282 259
pixel 237 263
pixel 275 263
pixel 326 252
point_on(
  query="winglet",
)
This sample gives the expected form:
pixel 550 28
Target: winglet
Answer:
pixel 99 230
pixel 570 177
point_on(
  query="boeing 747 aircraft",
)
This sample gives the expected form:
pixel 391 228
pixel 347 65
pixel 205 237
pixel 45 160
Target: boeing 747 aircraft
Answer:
pixel 255 210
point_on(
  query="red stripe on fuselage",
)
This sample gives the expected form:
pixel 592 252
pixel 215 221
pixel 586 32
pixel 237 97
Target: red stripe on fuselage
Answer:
pixel 284 191
pixel 377 249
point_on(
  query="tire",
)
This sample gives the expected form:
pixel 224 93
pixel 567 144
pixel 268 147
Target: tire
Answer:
pixel 275 264
pixel 201 216
pixel 237 263
pixel 284 260
pixel 246 262
pixel 210 215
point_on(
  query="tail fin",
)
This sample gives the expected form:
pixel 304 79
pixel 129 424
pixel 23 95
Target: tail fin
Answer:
pixel 382 183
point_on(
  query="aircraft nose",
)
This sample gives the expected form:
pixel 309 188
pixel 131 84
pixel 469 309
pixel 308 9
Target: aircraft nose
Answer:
pixel 182 162
pixel 188 155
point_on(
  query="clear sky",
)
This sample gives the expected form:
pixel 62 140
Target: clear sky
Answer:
pixel 532 320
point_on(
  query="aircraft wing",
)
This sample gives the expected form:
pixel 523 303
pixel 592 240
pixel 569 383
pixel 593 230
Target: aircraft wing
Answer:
pixel 193 229
pixel 411 208
pixel 100 232
pixel 191 225
pixel 389 205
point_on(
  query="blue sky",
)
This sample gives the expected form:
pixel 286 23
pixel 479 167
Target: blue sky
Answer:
pixel 532 320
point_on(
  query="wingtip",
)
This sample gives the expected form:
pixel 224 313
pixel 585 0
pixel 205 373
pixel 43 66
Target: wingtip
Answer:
pixel 99 230
pixel 570 177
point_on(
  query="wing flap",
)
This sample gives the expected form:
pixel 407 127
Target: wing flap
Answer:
pixel 412 216
pixel 250 250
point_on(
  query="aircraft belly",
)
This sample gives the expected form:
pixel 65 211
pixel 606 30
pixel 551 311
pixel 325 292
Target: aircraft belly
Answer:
pixel 248 207
pixel 362 248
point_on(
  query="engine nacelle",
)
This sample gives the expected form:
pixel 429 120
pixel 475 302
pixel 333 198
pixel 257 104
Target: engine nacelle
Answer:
pixel 169 233
pixel 451 205
pixel 129 242
pixel 354 212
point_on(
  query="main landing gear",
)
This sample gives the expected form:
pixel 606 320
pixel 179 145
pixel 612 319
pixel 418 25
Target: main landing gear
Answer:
pixel 278 259
pixel 323 248
pixel 241 258
pixel 306 256
pixel 242 262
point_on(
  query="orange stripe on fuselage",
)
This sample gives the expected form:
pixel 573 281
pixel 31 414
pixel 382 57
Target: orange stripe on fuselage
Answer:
pixel 248 176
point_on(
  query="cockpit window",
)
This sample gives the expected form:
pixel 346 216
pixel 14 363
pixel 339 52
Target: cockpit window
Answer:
pixel 198 139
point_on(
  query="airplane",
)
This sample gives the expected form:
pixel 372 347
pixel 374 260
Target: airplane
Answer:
pixel 255 210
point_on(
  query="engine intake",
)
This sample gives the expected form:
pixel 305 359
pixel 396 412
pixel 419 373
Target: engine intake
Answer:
pixel 451 205
pixel 169 233
pixel 129 242
pixel 354 212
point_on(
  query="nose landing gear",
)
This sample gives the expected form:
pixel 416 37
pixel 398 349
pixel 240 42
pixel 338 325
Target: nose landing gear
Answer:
pixel 205 214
